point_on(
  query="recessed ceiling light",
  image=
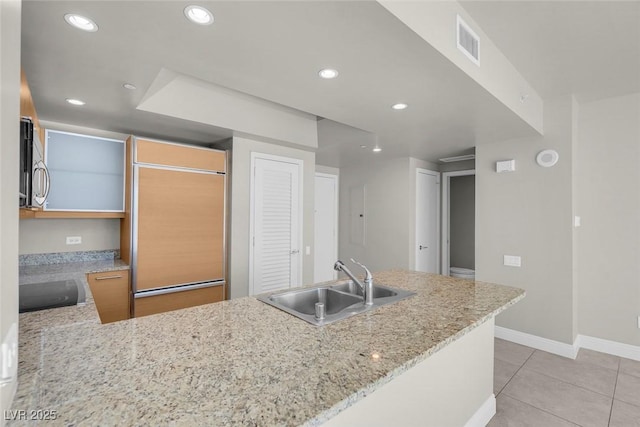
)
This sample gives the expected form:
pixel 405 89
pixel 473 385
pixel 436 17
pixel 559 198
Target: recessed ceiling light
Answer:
pixel 81 22
pixel 328 73
pixel 129 86
pixel 75 101
pixel 363 146
pixel 377 149
pixel 198 15
pixel 399 106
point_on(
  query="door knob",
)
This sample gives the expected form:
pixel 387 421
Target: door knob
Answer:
pixel 423 247
pixel 295 251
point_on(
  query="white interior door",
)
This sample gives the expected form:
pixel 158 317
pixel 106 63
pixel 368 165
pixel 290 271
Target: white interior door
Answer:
pixel 325 227
pixel 427 220
pixel 276 223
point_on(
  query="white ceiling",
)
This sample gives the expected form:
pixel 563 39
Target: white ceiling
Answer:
pixel 587 48
pixel 273 50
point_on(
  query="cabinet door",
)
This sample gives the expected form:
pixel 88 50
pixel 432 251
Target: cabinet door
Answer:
pixel 177 300
pixel 87 173
pixel 179 155
pixel 110 292
pixel 179 227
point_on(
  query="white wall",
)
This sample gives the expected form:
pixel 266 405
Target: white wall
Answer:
pixel 9 159
pixel 529 213
pixel 215 105
pixel 65 127
pixel 240 209
pixel 608 202
pixel 327 169
pixel 38 236
pixel 583 280
pixel 390 189
pixel 435 22
pixel 386 214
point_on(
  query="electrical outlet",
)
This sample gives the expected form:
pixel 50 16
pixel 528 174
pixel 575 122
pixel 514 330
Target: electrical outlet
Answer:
pixel 512 260
pixel 74 240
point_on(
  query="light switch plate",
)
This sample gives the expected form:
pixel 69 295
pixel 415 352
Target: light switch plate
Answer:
pixel 576 221
pixel 512 260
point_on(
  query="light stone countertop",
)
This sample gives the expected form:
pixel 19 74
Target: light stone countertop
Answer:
pixel 238 362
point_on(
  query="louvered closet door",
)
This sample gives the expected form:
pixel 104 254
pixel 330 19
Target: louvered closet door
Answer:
pixel 276 257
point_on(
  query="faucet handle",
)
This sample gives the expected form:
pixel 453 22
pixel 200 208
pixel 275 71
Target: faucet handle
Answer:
pixel 368 273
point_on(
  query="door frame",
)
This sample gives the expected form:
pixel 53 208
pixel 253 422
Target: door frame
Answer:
pixel 446 197
pixel 300 163
pixel 336 178
pixel 438 218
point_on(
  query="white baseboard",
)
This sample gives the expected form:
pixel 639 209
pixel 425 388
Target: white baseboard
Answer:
pixel 611 347
pixel 484 413
pixel 567 350
pixel 534 341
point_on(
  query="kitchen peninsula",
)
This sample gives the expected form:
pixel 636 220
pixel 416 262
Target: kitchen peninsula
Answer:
pixel 242 362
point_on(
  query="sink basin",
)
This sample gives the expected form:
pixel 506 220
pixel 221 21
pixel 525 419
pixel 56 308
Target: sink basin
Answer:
pixel 304 301
pixel 378 291
pixel 342 300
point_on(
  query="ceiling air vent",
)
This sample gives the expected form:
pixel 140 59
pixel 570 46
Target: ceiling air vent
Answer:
pixel 468 41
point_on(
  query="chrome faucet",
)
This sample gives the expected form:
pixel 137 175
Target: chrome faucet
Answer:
pixel 367 287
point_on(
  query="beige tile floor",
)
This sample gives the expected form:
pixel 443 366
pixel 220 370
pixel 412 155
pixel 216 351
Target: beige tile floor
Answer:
pixel 538 389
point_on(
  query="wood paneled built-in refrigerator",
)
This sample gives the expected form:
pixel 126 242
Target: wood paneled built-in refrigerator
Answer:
pixel 176 225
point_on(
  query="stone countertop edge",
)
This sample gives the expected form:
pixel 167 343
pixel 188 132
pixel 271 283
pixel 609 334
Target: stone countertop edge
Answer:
pixel 84 267
pixel 360 394
pixel 118 265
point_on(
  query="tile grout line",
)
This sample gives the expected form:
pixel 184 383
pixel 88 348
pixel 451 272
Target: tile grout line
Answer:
pixel 516 372
pixel 572 384
pixel 613 398
pixel 543 410
pixel 557 379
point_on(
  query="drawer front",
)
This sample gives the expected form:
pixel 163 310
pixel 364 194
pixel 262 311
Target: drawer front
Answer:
pixel 167 154
pixel 177 300
pixel 111 294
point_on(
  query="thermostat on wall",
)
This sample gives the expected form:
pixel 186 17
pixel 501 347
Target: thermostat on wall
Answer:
pixel 547 158
pixel 506 166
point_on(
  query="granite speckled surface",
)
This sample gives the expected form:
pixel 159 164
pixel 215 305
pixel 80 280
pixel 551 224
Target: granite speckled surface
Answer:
pixel 238 362
pixel 68 257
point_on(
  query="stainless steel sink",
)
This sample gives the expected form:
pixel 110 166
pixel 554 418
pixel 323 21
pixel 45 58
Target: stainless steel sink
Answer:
pixel 342 300
pixel 378 291
pixel 304 301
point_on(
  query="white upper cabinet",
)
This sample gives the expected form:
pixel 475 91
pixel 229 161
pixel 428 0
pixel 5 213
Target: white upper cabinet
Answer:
pixel 87 173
